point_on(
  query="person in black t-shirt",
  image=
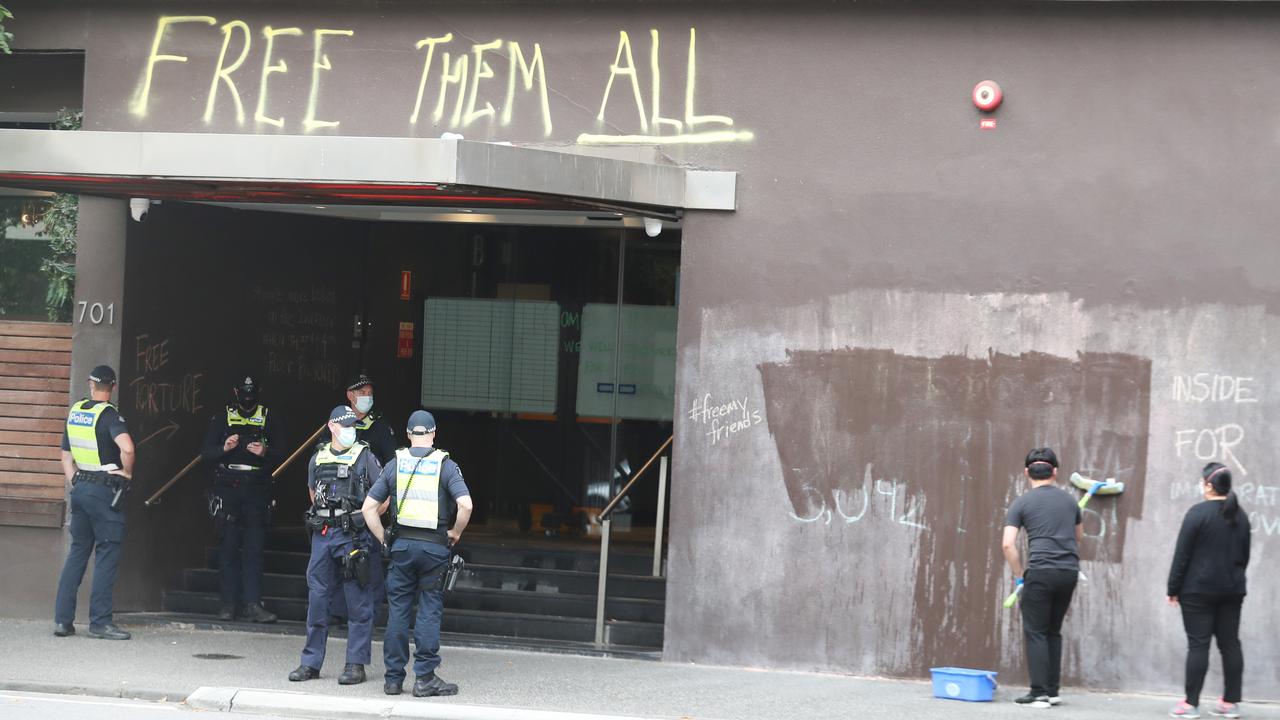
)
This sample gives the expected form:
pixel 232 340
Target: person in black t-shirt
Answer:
pixel 1052 520
pixel 1207 578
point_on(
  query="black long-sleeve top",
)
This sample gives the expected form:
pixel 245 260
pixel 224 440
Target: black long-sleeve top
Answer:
pixel 219 431
pixel 1211 555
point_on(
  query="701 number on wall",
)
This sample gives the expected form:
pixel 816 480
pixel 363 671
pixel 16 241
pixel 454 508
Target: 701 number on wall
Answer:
pixel 97 312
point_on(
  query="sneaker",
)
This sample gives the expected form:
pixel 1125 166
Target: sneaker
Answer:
pixel 1038 702
pixel 1054 700
pixel 1184 710
pixel 1225 709
pixel 108 632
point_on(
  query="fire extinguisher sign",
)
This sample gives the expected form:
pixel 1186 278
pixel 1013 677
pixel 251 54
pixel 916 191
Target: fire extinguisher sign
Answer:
pixel 406 284
pixel 404 343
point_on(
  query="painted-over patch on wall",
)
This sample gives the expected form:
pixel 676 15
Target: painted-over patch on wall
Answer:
pixel 877 438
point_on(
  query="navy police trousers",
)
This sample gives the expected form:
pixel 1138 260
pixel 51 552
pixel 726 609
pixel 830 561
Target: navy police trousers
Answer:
pixel 325 570
pixel 96 530
pixel 416 573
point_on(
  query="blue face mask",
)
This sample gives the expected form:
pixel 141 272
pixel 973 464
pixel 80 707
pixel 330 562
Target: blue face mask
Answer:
pixel 364 403
pixel 347 436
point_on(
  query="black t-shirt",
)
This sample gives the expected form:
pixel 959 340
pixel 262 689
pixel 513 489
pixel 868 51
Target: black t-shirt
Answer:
pixel 110 425
pixel 1212 554
pixel 1050 516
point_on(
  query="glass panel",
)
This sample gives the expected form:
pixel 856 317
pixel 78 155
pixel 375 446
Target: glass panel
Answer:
pixel 23 284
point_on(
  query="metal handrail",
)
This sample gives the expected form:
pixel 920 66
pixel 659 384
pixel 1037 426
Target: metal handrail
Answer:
pixel 613 504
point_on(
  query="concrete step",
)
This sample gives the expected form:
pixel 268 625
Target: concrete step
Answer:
pixel 494 577
pixel 461 620
pixel 514 552
pixel 447 639
pixel 469 593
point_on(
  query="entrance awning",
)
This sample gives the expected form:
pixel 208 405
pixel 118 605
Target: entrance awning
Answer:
pixel 293 169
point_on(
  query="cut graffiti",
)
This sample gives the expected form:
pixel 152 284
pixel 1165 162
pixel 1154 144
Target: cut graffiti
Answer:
pixel 457 81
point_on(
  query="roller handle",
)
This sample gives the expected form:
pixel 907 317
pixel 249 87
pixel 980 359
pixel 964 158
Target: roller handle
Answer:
pixel 1013 596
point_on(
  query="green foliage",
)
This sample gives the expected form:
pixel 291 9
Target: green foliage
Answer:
pixel 5 37
pixel 60 227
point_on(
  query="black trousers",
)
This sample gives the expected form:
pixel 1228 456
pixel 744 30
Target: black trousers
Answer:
pixel 1046 595
pixel 1206 617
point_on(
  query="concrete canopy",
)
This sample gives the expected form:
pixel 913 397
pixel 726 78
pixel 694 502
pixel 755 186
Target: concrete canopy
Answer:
pixel 351 170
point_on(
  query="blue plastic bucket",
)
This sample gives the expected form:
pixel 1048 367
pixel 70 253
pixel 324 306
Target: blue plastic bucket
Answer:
pixel 952 683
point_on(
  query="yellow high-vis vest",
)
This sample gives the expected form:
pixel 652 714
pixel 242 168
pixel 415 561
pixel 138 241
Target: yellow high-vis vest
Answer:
pixel 418 501
pixel 82 434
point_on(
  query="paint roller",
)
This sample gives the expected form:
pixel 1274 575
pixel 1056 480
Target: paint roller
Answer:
pixel 1093 487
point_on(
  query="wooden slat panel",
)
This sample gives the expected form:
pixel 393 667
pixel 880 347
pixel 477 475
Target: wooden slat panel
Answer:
pixel 17 342
pixel 47 412
pixel 32 425
pixel 32 485
pixel 33 397
pixel 41 439
pixel 57 385
pixel 36 371
pixel 30 452
pixel 35 356
pixel 36 329
pixel 29 465
pixel 31 513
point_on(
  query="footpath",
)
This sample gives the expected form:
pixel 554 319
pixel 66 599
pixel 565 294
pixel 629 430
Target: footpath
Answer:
pixel 246 672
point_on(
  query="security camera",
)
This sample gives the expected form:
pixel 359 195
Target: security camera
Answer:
pixel 138 208
pixel 652 226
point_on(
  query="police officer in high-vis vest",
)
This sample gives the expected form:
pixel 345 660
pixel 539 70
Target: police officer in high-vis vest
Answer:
pixel 339 476
pixel 97 460
pixel 424 487
pixel 244 443
pixel 373 430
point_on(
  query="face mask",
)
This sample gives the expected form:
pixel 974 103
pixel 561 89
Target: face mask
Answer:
pixel 347 436
pixel 364 403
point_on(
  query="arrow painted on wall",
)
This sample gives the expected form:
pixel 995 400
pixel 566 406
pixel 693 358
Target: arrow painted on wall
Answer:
pixel 171 429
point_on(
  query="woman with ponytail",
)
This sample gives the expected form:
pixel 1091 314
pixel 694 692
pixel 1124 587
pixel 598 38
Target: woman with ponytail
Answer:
pixel 1207 580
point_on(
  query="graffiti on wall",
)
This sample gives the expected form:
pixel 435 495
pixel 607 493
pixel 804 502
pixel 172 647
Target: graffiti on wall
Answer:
pixel 457 85
pixel 932 447
pixel 1223 436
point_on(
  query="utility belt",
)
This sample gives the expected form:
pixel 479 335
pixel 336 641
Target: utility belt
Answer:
pixel 320 519
pixel 423 534
pixel 235 474
pixel 97 477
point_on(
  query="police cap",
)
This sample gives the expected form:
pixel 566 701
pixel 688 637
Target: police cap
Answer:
pixel 103 375
pixel 344 416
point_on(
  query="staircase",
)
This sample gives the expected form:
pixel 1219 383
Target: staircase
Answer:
pixel 533 594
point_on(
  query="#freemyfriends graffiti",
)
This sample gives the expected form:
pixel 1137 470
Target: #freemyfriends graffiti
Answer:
pixel 455 89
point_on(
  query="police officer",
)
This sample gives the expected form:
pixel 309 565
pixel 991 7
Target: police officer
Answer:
pixel 245 443
pixel 424 487
pixel 373 430
pixel 339 476
pixel 97 460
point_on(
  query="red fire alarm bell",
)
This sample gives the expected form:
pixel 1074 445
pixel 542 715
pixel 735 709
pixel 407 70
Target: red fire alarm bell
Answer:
pixel 987 95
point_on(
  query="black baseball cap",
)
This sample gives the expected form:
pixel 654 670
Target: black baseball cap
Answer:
pixel 1041 462
pixel 360 381
pixel 422 422
pixel 103 375
pixel 344 416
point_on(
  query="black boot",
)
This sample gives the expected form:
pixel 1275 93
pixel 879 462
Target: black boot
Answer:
pixel 227 612
pixel 431 685
pixel 254 612
pixel 392 687
pixel 352 674
pixel 64 629
pixel 304 673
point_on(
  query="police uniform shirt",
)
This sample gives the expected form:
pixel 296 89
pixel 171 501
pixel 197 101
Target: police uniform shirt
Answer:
pixel 378 436
pixel 450 479
pixel 110 426
pixel 219 431
pixel 366 463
